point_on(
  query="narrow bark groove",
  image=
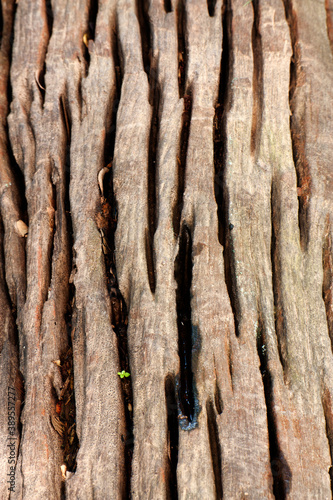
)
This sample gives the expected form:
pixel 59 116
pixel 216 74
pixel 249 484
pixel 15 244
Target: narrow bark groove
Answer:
pixel 328 278
pixel 223 106
pixel 49 16
pixel 276 269
pixel 152 169
pixel 211 4
pixel 297 129
pixel 173 434
pixel 144 23
pixel 215 448
pixel 107 223
pixel 181 162
pixel 167 6
pixel 257 80
pixel 182 50
pixel 282 476
pixel 188 404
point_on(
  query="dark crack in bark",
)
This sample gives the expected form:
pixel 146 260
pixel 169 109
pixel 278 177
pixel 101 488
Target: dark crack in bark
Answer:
pixel 297 129
pixel 257 80
pixel 282 475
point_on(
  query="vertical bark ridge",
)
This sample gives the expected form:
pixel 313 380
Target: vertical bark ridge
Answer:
pixel 100 409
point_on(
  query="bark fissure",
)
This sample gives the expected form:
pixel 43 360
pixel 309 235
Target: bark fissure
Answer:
pixel 90 32
pixel 278 310
pixel 211 4
pixel 152 170
pixel 182 49
pixel 119 317
pixel 53 228
pixel 181 161
pixel 167 6
pixel 215 448
pixel 144 24
pixel 173 434
pixel 223 106
pixel 49 16
pixel 297 129
pixel 257 80
pixel 328 279
pixel 282 476
pixel 188 404
pixel 328 412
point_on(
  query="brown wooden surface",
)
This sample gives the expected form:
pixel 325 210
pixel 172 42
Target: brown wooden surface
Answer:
pixel 172 164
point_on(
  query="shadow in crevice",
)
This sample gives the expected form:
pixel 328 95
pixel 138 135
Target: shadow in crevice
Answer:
pixel 281 472
pixel 215 448
pixel 182 49
pixel 211 4
pixel 173 435
pixel 297 130
pixel 90 31
pixel 187 333
pixel 257 80
pixel 222 108
pixel 181 162
pixel 142 7
pixel 328 278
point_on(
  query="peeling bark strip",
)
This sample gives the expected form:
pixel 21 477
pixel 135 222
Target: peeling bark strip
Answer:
pixel 166 212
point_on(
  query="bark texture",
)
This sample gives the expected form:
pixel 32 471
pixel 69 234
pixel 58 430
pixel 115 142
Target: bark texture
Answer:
pixel 166 249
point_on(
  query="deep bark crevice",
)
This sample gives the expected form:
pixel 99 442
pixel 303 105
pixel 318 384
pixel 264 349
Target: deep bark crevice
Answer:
pixel 282 475
pixel 181 162
pixel 49 16
pixel 223 106
pixel 155 95
pixel 182 49
pixel 187 400
pixel 211 4
pixel 215 448
pixel 257 80
pixel 106 220
pixel 328 413
pixel 328 279
pixel 91 31
pixel 173 435
pixel 118 64
pixel 275 255
pixel 53 229
pixel 66 409
pixel 297 129
pixel 167 6
pixel 145 31
pixel 93 12
pixel 218 399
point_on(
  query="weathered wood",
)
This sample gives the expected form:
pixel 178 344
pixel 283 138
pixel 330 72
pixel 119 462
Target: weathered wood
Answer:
pixel 171 164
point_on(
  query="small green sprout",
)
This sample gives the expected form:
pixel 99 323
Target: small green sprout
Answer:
pixel 247 3
pixel 123 374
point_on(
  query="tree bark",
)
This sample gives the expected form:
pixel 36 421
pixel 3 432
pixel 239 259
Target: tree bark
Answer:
pixel 166 260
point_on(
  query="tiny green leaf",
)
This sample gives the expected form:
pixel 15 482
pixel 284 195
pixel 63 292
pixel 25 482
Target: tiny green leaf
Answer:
pixel 127 374
pixel 123 374
pixel 247 3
